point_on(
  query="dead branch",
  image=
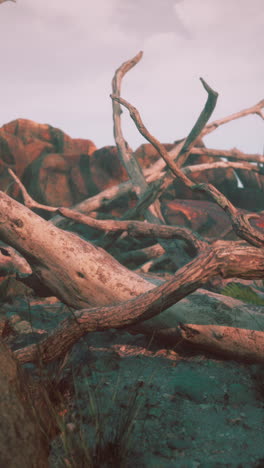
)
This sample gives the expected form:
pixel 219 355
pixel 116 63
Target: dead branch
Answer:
pixel 134 114
pixel 222 165
pixel 142 255
pixel 196 131
pixel 81 274
pixel 167 178
pixel 240 222
pixel 145 200
pixel 153 213
pixel 139 229
pixel 146 267
pixel 125 152
pixel 77 272
pixel 229 154
pixel 226 258
pixel 174 152
pixel 28 200
pixel 107 196
pixel 234 343
pixel 11 262
pixel 256 109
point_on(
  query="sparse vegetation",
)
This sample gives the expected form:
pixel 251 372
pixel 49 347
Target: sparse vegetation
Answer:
pixel 244 293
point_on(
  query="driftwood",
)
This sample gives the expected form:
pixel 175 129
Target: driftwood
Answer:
pixel 247 345
pixel 83 275
pixel 106 294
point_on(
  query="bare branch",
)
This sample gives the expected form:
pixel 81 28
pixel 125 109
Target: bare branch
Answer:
pixel 146 267
pixel 222 165
pixel 159 147
pixel 76 271
pixel 256 109
pixel 124 151
pixel 236 343
pixel 196 131
pixel 239 222
pixel 167 178
pixel 138 228
pixel 142 255
pixel 229 259
pixel 174 152
pixel 233 153
pixel 29 202
pixel 101 200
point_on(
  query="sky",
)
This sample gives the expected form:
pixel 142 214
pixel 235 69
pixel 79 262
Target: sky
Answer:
pixel 58 58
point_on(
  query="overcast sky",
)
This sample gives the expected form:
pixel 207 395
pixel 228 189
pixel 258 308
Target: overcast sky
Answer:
pixel 58 58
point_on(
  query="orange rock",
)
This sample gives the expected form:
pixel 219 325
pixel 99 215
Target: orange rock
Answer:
pixel 201 216
pixel 147 155
pixel 106 169
pixel 42 154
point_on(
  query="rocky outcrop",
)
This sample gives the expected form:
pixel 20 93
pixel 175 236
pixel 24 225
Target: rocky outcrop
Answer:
pixel 23 142
pixel 29 131
pixel 58 179
pixel 58 170
pixel 106 169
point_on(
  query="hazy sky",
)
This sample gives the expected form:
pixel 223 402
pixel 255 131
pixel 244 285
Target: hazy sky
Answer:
pixel 58 58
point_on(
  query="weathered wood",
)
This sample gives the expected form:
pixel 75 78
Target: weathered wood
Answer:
pixel 230 259
pixel 236 343
pixel 81 274
pixel 77 272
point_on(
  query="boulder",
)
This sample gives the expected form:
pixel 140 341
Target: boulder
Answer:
pixel 58 179
pixel 106 168
pixel 23 142
pixel 223 179
pixel 28 131
pixel 147 155
pixel 201 216
pixel 251 199
pixel 251 180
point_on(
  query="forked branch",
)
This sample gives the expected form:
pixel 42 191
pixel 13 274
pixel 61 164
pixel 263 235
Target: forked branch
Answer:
pixel 240 222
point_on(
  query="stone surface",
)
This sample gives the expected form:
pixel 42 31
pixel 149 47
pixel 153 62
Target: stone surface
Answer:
pixel 201 216
pixel 25 144
pixel 29 132
pixel 57 179
pixel 106 169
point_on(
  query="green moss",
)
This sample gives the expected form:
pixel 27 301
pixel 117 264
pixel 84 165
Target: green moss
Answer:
pixel 242 292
